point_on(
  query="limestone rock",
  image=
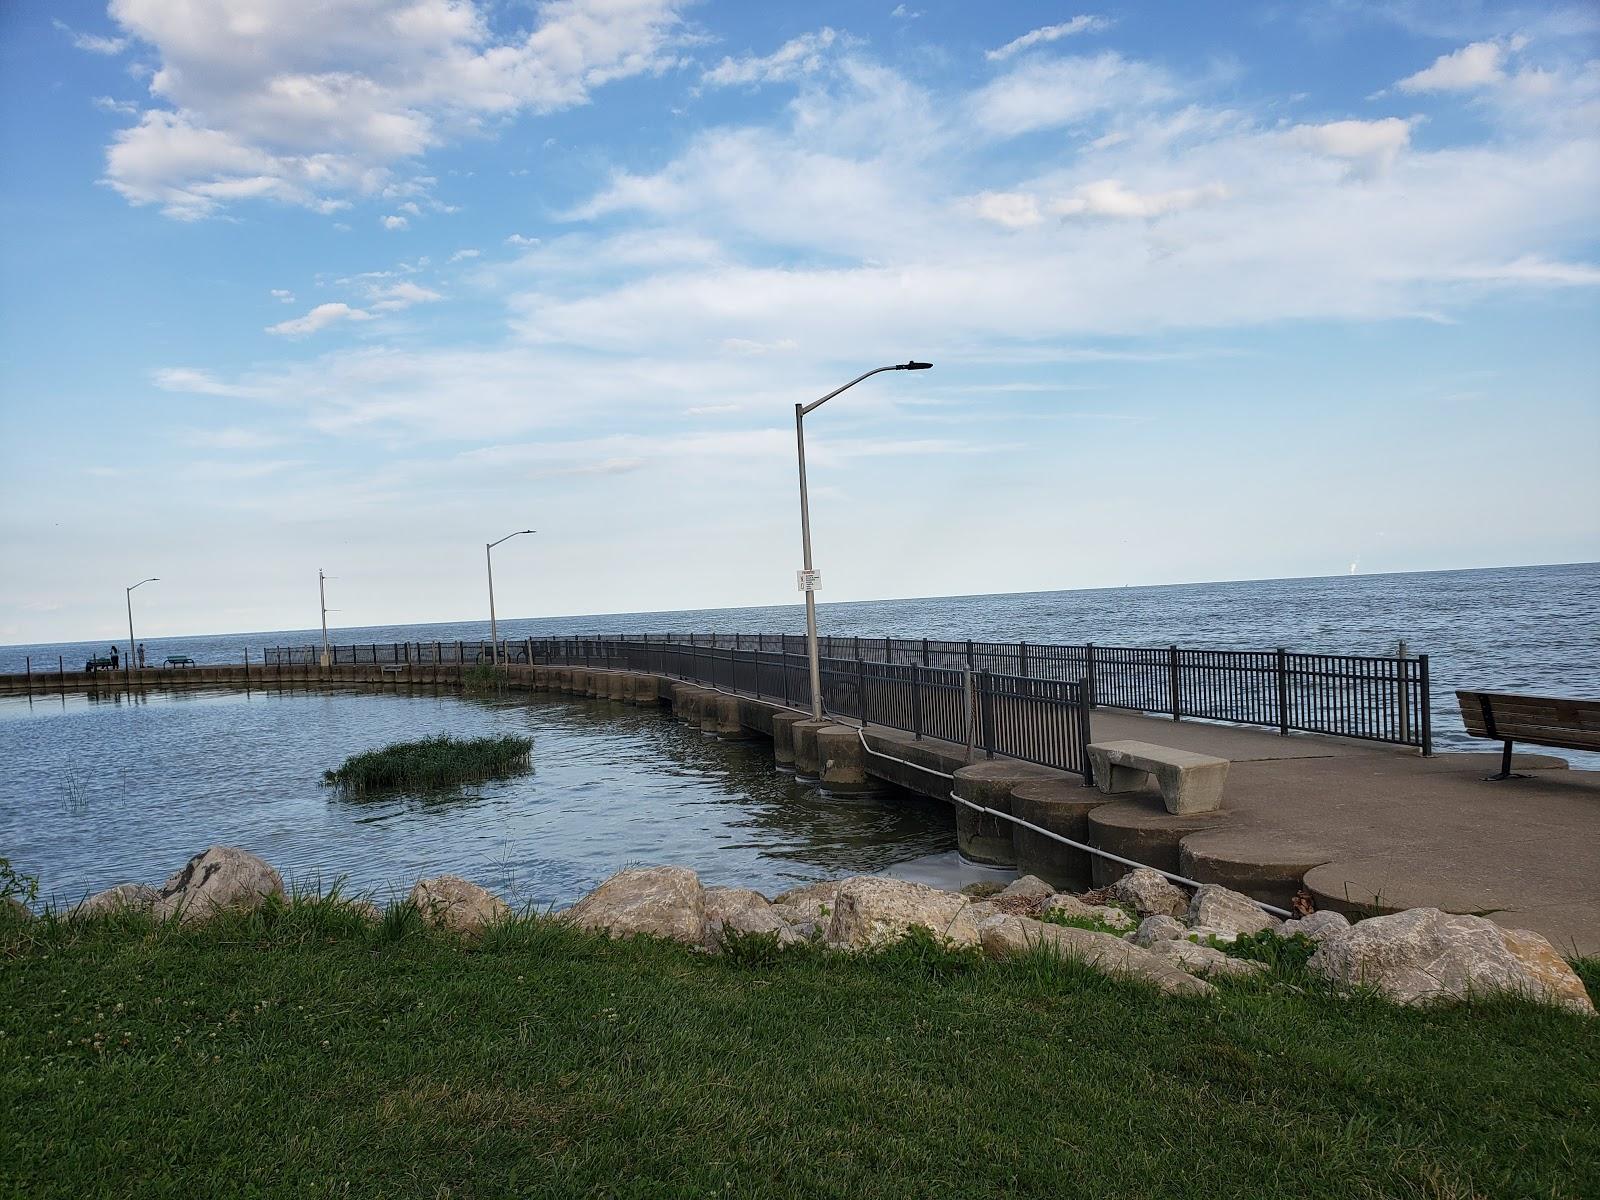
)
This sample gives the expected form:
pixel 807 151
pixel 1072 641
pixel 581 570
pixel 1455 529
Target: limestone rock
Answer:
pixel 807 909
pixel 665 902
pixel 1158 928
pixel 1424 955
pixel 1204 960
pixel 743 911
pixel 1149 893
pixel 871 911
pixel 1318 926
pixel 220 879
pixel 457 905
pixel 983 889
pixel 125 897
pixel 1217 907
pixel 366 910
pixel 1107 914
pixel 15 910
pixel 1028 887
pixel 1004 936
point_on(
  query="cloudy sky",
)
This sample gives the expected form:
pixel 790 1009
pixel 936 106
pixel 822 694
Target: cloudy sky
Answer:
pixel 1213 292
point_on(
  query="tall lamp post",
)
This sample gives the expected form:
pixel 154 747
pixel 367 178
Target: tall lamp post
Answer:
pixel 809 578
pixel 128 595
pixel 494 629
pixel 322 599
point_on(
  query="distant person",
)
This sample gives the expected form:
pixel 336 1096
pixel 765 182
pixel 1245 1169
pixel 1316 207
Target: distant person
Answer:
pixel 141 656
pixel 113 658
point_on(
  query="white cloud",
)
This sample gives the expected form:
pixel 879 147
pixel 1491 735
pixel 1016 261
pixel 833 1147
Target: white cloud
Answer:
pixel 394 224
pixel 312 104
pixel 461 255
pixel 93 43
pixel 1111 198
pixel 201 383
pixel 122 108
pixel 1050 94
pixel 396 296
pixel 1011 210
pixel 1370 147
pixel 1049 33
pixel 319 318
pixel 902 13
pixel 283 295
pixel 799 56
pixel 517 239
pixel 1474 66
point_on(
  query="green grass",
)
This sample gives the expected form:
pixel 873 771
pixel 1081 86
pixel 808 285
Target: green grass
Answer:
pixel 304 1052
pixel 434 762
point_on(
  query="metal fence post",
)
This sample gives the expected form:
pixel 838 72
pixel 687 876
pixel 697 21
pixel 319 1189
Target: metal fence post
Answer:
pixel 916 705
pixel 1022 659
pixel 1172 672
pixel 1283 692
pixel 861 689
pixel 986 712
pixel 969 654
pixel 924 651
pixel 1427 707
pixel 1088 672
pixel 970 703
pixel 1085 703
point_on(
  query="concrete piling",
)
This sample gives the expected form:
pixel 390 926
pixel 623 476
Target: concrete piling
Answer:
pixel 979 837
pixel 841 759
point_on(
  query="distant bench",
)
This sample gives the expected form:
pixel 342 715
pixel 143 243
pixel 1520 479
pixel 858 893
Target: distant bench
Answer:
pixel 98 664
pixel 1536 720
pixel 1189 782
pixel 178 660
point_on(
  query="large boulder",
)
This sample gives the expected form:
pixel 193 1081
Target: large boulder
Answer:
pixel 1318 926
pixel 1006 935
pixel 1159 928
pixel 1217 907
pixel 1203 960
pixel 742 911
pixel 220 879
pixel 125 897
pixel 1149 893
pixel 870 911
pixel 807 909
pixel 1424 955
pixel 457 905
pixel 1027 887
pixel 664 902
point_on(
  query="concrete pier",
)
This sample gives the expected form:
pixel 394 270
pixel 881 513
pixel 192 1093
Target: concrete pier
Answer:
pixel 1061 806
pixel 783 724
pixel 841 759
pixel 980 837
pixel 807 764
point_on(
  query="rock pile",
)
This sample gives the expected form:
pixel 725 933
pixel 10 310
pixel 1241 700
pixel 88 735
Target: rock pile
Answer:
pixel 1141 927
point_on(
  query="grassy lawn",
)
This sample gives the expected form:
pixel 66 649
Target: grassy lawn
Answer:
pixel 307 1054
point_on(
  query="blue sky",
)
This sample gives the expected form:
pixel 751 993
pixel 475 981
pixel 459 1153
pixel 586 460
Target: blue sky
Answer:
pixel 1213 292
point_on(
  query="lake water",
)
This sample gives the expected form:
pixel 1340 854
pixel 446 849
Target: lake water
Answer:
pixel 1518 629
pixel 109 790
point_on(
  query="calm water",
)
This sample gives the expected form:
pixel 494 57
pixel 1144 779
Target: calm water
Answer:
pixel 1523 629
pixel 101 791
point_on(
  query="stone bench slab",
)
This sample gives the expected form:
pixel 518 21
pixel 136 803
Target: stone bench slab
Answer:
pixel 1189 782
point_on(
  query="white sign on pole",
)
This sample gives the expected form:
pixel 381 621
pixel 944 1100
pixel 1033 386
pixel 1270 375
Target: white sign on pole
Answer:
pixel 808 581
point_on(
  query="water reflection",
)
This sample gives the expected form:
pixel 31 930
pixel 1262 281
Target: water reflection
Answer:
pixel 109 787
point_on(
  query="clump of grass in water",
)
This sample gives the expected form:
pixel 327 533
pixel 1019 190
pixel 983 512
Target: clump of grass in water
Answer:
pixel 484 678
pixel 434 762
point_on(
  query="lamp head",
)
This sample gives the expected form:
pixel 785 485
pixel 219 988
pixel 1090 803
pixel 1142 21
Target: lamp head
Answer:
pixel 915 366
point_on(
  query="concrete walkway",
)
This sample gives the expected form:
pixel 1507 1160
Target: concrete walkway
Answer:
pixel 1379 827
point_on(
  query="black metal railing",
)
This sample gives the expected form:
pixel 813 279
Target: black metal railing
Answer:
pixel 1372 698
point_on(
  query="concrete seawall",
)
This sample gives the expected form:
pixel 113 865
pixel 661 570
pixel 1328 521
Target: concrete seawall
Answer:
pixel 1361 829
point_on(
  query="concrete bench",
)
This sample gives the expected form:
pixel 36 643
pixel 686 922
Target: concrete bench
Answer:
pixel 1189 782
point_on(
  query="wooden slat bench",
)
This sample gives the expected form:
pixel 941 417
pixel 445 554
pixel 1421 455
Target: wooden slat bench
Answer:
pixel 1189 782
pixel 1535 720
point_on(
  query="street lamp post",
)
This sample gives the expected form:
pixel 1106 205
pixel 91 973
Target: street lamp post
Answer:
pixel 808 577
pixel 128 595
pixel 322 599
pixel 488 558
